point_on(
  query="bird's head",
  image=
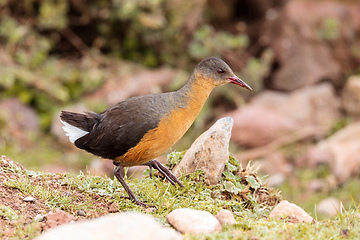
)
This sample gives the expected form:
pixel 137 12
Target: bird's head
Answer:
pixel 217 72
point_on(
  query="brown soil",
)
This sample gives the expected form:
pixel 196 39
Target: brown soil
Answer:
pixel 14 199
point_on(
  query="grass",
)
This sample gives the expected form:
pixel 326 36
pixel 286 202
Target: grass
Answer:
pixel 93 194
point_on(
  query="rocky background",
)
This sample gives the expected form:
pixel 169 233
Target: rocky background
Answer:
pixel 302 58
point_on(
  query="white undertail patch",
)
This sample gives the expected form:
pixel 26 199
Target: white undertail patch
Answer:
pixel 72 132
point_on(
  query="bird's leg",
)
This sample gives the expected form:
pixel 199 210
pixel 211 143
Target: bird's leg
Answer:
pixel 164 171
pixel 119 173
pixel 150 171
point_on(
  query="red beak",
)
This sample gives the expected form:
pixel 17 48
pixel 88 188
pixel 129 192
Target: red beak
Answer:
pixel 238 81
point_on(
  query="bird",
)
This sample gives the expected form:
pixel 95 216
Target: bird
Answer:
pixel 139 129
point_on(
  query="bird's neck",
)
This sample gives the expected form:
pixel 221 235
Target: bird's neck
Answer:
pixel 194 94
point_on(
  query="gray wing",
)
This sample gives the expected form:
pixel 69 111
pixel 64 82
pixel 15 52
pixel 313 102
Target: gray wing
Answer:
pixel 122 126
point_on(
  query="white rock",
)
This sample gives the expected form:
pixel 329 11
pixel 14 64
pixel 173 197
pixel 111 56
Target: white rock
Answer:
pixel 329 206
pixel 129 225
pixel 39 218
pixel 187 220
pixel 209 152
pixel 290 211
pixel 225 217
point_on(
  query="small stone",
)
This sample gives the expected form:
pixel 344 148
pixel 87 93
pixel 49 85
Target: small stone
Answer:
pixel 81 213
pixel 209 152
pixel 187 220
pixel 129 225
pixel 29 199
pixel 114 207
pixel 39 218
pixel 329 206
pixel 291 212
pixel 225 217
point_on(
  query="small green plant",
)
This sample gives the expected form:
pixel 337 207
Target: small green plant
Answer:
pixel 7 213
pixel 330 29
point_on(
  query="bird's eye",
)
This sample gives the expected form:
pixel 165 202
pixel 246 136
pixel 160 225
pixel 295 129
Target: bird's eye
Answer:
pixel 220 71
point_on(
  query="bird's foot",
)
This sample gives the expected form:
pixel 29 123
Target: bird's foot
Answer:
pixel 164 171
pixel 138 202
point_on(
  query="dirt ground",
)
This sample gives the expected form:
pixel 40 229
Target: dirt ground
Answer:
pixel 36 212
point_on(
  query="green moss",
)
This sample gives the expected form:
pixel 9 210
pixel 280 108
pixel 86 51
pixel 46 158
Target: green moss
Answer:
pixel 7 213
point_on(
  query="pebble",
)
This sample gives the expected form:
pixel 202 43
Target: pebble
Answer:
pixel 225 217
pixel 81 213
pixel 187 220
pixel 291 212
pixel 114 207
pixel 29 199
pixel 39 218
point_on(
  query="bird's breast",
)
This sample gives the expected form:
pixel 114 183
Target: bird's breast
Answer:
pixel 158 140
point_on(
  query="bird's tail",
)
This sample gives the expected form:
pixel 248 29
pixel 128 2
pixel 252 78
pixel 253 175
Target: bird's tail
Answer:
pixel 77 125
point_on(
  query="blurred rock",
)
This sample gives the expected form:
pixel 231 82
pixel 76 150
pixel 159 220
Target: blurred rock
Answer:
pixel 136 172
pixel 56 125
pixel 271 115
pixel 276 180
pixel 225 217
pixel 314 105
pixel 19 123
pixel 255 125
pixel 209 152
pixel 350 97
pixel 275 163
pixel 140 82
pixel 329 206
pixel 346 160
pixel 290 212
pixel 312 46
pixel 187 220
pixel 99 166
pixel 344 149
pixel 315 156
pixel 316 185
pixel 129 225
